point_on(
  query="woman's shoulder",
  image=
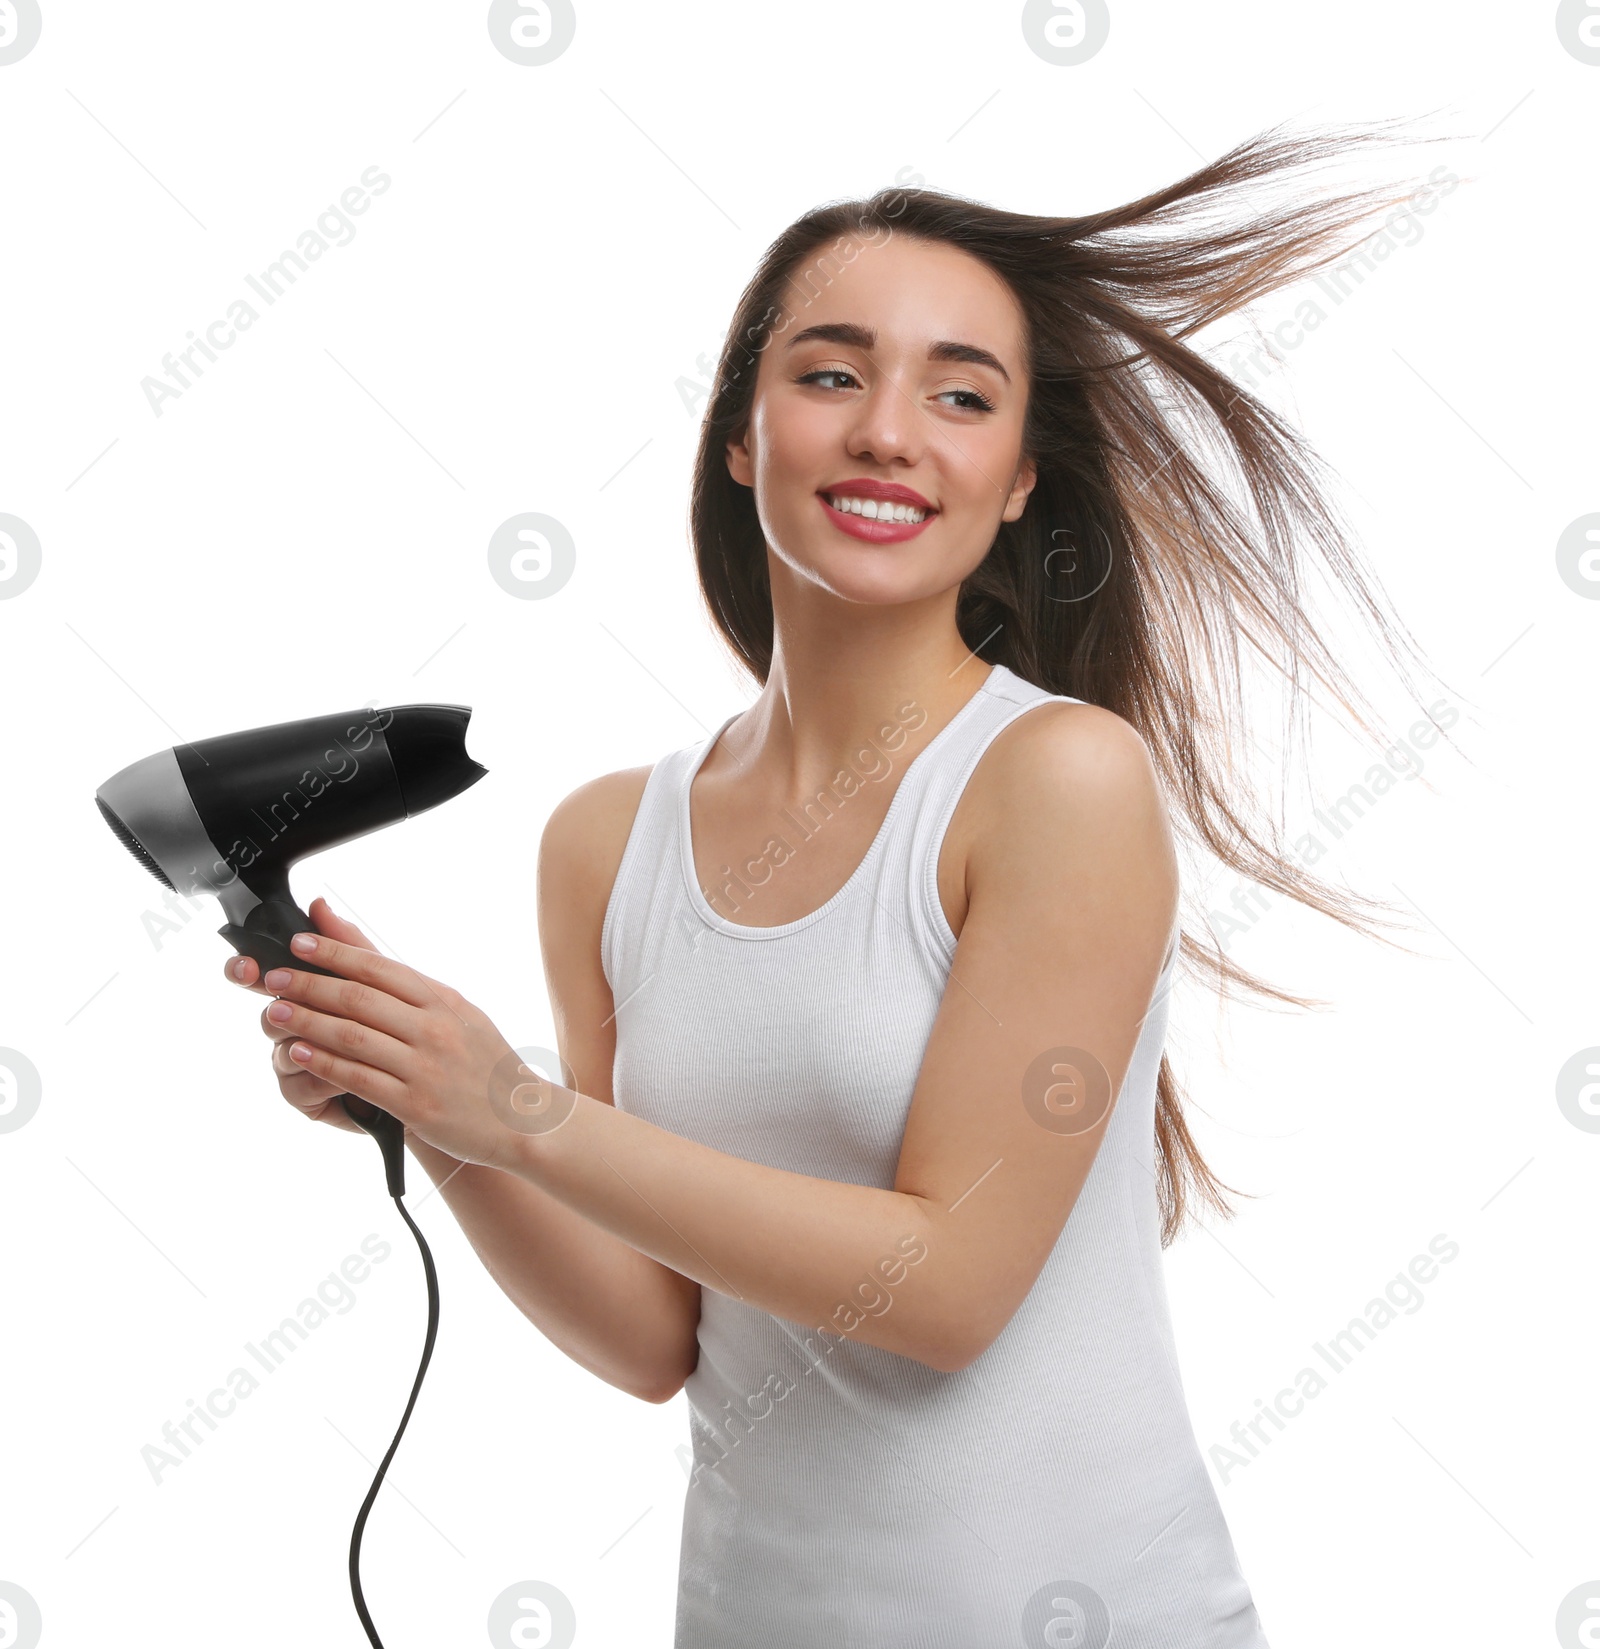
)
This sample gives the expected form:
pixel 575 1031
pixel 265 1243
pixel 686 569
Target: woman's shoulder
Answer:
pixel 1045 776
pixel 1071 773
pixel 1067 761
pixel 588 829
pixel 1064 731
pixel 1064 811
pixel 580 853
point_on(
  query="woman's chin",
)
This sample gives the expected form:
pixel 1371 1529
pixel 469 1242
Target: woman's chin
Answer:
pixel 879 574
pixel 878 579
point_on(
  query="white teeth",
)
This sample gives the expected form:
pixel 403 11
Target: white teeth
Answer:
pixel 875 509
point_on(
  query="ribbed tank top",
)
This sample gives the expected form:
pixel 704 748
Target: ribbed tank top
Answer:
pixel 1052 1493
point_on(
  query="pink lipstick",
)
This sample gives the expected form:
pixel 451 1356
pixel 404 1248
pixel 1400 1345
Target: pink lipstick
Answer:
pixel 872 530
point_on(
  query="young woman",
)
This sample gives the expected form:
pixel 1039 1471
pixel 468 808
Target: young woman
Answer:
pixel 866 1140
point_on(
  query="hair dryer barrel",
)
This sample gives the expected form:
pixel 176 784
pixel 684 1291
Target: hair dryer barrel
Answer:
pixel 276 794
pixel 229 815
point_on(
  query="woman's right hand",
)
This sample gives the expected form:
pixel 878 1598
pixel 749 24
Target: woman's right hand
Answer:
pixel 308 1093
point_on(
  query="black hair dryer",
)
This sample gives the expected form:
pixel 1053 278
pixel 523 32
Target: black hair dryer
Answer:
pixel 229 816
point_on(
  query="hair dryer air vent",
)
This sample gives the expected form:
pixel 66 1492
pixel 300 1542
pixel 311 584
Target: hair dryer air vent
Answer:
pixel 131 842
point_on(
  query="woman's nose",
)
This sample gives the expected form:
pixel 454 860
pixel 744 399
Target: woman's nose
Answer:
pixel 887 424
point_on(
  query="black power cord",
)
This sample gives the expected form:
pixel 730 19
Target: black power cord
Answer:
pixel 267 941
pixel 422 1368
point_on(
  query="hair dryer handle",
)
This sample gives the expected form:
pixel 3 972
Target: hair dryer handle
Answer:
pixel 265 935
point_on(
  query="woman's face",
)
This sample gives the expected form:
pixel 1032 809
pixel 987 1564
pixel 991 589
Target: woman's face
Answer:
pixel 906 367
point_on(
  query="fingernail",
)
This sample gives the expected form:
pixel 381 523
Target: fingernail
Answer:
pixel 276 979
pixel 280 1013
pixel 236 967
pixel 305 943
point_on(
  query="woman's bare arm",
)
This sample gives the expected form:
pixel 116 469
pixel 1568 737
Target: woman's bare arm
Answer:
pixel 603 1303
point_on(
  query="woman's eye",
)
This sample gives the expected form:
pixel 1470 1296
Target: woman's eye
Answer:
pixel 984 404
pixel 825 372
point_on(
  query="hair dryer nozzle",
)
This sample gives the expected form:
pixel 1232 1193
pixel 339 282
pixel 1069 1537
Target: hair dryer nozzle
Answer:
pixel 427 743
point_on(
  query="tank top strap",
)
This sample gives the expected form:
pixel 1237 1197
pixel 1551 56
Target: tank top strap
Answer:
pixel 1004 697
pixel 937 786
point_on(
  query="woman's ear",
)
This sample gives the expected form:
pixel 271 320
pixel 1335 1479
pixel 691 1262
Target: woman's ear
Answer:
pixel 1027 478
pixel 739 465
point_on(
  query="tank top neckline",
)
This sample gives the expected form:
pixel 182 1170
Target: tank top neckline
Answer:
pixel 701 906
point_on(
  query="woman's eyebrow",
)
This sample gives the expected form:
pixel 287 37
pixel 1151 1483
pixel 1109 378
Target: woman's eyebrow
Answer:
pixel 856 336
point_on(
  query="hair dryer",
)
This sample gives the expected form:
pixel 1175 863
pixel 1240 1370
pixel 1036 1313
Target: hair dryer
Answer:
pixel 229 816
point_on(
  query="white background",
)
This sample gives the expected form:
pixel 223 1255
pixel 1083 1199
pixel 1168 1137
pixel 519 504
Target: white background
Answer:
pixel 512 328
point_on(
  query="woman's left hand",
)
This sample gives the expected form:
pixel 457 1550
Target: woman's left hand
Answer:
pixel 410 1044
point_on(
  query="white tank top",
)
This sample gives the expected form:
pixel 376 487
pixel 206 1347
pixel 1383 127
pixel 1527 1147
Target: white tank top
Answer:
pixel 1051 1494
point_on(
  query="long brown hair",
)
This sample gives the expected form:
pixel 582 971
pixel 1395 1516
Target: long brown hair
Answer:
pixel 1132 574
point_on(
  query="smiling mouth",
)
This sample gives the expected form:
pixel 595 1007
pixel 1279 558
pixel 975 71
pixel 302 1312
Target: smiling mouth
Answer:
pixel 898 524
pixel 878 509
